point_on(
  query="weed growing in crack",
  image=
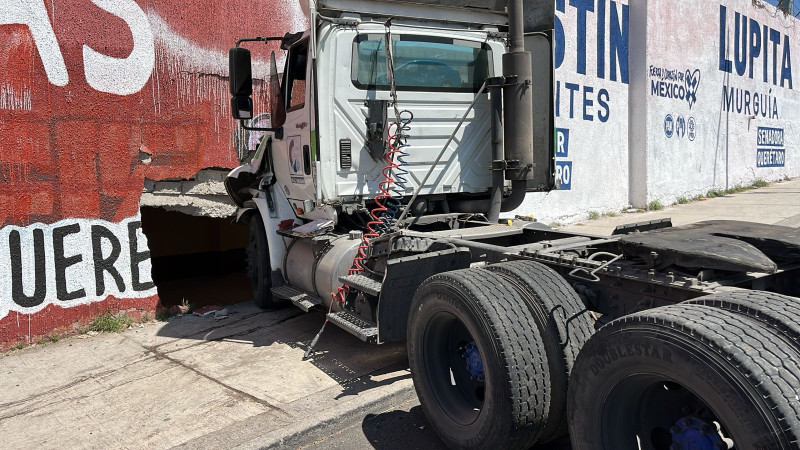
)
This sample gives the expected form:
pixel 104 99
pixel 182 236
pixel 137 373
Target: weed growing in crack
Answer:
pixel 655 205
pixel 109 323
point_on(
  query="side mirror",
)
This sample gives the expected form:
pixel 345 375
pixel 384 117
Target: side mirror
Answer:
pixel 277 106
pixel 241 81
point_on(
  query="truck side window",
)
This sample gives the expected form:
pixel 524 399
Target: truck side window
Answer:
pixel 296 94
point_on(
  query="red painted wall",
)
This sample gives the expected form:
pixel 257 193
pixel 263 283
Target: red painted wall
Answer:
pixel 136 76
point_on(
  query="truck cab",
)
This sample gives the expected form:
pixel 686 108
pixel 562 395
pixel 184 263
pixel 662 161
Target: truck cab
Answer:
pixel 338 105
pixel 348 135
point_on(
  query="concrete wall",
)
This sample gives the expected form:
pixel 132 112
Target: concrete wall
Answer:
pixel 688 116
pixel 592 79
pixel 719 89
pixel 95 98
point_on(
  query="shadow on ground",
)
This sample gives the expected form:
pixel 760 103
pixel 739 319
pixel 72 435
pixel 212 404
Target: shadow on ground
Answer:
pixel 404 428
pixel 409 429
pixel 400 429
pixel 283 334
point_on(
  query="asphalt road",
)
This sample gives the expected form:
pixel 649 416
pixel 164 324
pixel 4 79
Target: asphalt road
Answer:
pixel 402 426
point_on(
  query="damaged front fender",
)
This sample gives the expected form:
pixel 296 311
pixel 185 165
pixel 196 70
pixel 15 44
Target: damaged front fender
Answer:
pixel 243 181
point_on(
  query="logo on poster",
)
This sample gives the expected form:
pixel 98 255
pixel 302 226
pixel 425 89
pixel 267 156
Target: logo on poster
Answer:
pixel 692 84
pixel 675 84
pixel 669 126
pixel 680 127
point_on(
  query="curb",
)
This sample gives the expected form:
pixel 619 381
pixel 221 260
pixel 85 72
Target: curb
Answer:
pixel 326 422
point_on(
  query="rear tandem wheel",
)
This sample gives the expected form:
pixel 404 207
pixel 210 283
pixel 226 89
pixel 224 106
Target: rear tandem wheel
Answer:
pixel 780 313
pixel 685 376
pixel 564 324
pixel 478 362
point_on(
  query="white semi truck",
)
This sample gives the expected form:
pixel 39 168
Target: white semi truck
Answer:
pixel 400 132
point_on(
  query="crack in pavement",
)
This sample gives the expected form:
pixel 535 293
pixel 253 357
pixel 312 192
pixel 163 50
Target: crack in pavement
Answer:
pixel 63 388
pixel 73 383
pixel 153 353
pixel 238 392
pixel 793 221
pixel 159 354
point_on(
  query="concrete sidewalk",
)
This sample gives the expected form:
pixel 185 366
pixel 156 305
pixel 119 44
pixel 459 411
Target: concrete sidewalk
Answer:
pixel 240 382
pixel 778 204
pixel 198 383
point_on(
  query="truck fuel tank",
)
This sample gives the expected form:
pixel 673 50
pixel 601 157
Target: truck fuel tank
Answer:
pixel 315 264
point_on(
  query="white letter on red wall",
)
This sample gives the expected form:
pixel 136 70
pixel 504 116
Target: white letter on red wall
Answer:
pixel 122 76
pixel 33 14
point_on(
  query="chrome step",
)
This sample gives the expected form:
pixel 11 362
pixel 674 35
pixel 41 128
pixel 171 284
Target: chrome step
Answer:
pixel 362 329
pixel 300 299
pixel 363 283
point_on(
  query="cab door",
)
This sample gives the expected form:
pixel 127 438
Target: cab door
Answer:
pixel 294 162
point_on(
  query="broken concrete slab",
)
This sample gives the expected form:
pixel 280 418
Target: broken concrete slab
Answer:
pixel 203 188
pixel 211 175
pixel 202 195
pixel 194 205
pixel 167 188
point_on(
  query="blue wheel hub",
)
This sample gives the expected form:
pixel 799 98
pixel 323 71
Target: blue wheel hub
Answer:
pixel 473 358
pixel 691 433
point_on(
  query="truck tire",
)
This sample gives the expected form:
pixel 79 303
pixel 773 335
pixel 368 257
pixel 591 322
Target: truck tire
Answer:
pixel 780 312
pixel 258 267
pixel 687 374
pixel 477 361
pixel 563 322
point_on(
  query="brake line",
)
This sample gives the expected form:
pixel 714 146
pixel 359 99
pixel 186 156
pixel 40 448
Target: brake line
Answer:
pixel 389 199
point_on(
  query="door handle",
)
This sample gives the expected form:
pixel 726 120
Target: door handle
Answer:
pixel 306 160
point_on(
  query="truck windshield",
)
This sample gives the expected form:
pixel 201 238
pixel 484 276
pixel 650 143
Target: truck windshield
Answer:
pixel 421 63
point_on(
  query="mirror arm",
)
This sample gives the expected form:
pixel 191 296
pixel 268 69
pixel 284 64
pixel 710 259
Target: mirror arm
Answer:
pixel 277 130
pixel 258 39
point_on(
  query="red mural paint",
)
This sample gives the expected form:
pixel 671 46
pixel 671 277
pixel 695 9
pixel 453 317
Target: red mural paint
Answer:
pixel 28 328
pixel 86 85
